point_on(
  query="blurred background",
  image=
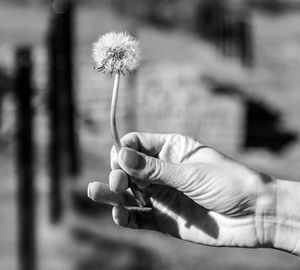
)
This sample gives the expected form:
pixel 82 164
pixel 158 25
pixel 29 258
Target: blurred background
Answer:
pixel 225 72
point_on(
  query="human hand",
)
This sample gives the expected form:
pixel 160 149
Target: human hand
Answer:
pixel 195 192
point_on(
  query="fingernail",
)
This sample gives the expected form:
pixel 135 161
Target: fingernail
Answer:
pixel 129 158
pixel 89 190
pixel 120 216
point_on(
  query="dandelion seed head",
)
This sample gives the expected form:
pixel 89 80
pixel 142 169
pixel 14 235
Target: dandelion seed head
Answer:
pixel 116 52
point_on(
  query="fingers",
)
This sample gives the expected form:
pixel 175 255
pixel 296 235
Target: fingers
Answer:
pixel 134 218
pixel 118 180
pixel 148 143
pixel 114 164
pixel 100 192
pixel 147 168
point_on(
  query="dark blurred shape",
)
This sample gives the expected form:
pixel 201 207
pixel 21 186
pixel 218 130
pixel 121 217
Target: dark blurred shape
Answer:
pixel 263 127
pixel 25 159
pixel 244 41
pixel 210 16
pixel 108 253
pixel 271 6
pixel 275 7
pixel 224 23
pixel 161 12
pixel 263 124
pixel 83 205
pixel 226 26
pixel 158 12
pixel 61 6
pixel 63 148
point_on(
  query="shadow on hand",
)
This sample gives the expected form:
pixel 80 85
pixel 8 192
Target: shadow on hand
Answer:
pixel 181 206
pixel 177 204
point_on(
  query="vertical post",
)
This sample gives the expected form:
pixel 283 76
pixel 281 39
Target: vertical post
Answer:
pixel 55 129
pixel 24 154
pixel 64 141
pixel 67 42
pixel 62 20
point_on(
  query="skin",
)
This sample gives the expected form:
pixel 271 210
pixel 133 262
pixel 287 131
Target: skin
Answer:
pixel 198 194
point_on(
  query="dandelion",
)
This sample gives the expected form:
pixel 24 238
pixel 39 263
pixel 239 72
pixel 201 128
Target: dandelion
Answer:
pixel 118 53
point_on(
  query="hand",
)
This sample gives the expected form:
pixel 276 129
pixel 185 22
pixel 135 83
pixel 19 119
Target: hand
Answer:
pixel 195 192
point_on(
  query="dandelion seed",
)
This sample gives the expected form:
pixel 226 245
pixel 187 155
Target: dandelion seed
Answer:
pixel 115 52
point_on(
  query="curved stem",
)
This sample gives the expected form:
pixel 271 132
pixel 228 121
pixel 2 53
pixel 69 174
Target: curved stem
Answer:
pixel 113 112
pixel 141 201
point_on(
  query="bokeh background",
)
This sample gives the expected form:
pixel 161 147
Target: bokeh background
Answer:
pixel 224 72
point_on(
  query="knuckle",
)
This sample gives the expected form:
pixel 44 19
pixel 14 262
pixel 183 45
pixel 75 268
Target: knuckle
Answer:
pixel 130 139
pixel 132 134
pixel 155 169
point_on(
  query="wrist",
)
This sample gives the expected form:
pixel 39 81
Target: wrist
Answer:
pixel 266 210
pixel 287 232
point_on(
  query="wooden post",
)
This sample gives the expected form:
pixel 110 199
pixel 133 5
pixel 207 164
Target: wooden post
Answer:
pixel 54 101
pixel 63 143
pixel 24 154
pixel 63 21
pixel 72 141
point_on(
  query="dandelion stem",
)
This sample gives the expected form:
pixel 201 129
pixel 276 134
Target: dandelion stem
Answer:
pixel 113 112
pixel 138 194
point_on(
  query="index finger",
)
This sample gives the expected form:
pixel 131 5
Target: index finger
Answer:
pixel 148 143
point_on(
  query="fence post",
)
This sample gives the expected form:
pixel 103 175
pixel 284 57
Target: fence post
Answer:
pixel 55 132
pixel 25 160
pixel 63 142
pixel 66 49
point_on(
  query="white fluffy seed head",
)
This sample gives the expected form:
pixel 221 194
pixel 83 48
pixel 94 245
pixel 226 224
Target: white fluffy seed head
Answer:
pixel 116 52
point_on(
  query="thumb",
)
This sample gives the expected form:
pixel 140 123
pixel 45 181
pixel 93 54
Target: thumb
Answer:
pixel 143 167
